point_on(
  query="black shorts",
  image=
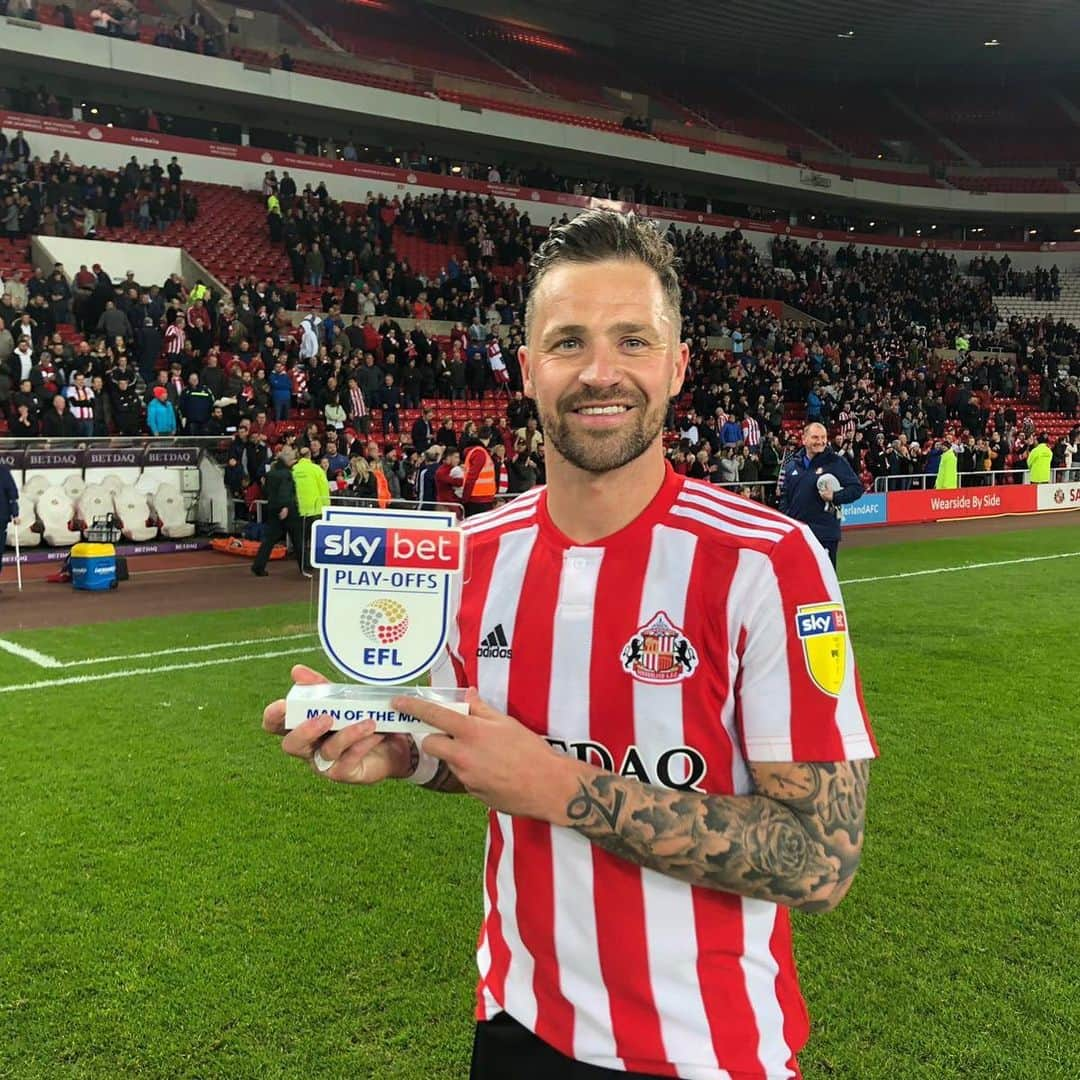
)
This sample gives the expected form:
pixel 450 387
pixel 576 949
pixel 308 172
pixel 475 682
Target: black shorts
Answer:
pixel 505 1050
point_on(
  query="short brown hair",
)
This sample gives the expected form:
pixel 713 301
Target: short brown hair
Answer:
pixel 597 235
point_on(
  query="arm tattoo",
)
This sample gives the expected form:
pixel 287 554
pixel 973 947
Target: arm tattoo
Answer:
pixel 445 781
pixel 796 841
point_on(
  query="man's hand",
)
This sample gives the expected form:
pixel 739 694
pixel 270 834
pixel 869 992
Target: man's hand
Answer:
pixel 359 756
pixel 497 759
pixel 283 513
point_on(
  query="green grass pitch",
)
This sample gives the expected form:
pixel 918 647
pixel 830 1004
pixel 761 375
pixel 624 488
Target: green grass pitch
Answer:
pixel 177 899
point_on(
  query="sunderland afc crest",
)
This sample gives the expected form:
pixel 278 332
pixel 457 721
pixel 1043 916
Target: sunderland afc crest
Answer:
pixel 385 586
pixel 659 652
pixel 822 630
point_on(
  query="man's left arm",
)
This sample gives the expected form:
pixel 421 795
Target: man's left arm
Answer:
pixel 796 841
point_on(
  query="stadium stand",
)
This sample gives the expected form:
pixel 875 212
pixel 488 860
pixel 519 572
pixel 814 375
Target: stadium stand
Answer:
pixel 482 64
pixel 462 259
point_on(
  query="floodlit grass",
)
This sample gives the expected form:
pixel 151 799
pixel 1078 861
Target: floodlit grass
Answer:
pixel 179 900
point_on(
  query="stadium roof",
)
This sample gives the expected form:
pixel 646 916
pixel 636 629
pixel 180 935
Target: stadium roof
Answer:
pixel 887 40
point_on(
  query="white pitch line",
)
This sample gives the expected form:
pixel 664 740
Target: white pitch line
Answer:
pixel 957 569
pixel 48 661
pixel 24 653
pixel 186 649
pixel 70 680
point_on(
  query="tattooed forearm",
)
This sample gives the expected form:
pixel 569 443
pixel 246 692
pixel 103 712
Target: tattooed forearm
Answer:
pixel 796 841
pixel 445 781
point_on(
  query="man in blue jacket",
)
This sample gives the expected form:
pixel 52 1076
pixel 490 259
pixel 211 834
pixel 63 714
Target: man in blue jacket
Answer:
pixel 815 484
pixel 9 502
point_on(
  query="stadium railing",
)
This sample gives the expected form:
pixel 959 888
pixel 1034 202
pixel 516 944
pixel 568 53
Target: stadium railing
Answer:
pixel 353 501
pixel 926 481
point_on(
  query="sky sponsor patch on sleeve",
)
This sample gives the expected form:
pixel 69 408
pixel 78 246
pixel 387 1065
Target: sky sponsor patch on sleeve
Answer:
pixel 822 629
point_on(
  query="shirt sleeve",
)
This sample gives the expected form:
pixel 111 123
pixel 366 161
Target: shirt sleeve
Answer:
pixel 798 695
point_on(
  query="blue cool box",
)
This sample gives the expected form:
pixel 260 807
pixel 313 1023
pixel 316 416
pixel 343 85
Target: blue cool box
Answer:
pixel 93 567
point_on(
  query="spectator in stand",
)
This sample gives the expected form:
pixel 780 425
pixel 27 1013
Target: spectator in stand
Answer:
pixel 815 484
pixel 57 422
pixel 280 391
pixel 126 406
pixel 423 430
pixel 282 520
pixel 731 433
pixel 389 400
pixel 196 405
pixel 309 338
pixel 80 400
pixel 314 265
pixel 449 478
pixel 102 22
pixel 176 338
pixel 522 468
pixel 24 424
pixel 160 414
pixel 426 491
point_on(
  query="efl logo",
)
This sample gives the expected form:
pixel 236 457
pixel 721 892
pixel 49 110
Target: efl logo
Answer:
pixel 409 549
pixel 812 620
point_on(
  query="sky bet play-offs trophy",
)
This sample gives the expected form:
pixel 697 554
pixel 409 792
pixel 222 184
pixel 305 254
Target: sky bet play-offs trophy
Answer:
pixel 387 579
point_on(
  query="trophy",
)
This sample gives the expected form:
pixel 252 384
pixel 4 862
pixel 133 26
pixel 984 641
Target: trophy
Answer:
pixel 388 580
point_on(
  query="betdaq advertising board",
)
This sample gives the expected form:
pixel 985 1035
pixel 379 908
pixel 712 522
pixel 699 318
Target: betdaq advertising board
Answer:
pixel 869 510
pixel 912 507
pixel 1058 496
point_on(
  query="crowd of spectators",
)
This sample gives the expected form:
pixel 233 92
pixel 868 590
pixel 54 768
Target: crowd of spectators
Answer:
pixel 867 362
pixel 56 197
pixel 1002 280
pixel 871 367
pixel 347 247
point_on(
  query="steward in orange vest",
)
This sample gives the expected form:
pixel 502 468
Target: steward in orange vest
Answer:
pixel 479 491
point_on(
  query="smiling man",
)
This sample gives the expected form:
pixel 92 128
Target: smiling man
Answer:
pixel 672 742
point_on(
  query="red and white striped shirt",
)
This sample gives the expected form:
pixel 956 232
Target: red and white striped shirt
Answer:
pixel 613 964
pixel 174 340
pixel 751 433
pixel 357 407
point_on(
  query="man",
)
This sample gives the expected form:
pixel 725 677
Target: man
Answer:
pixel 816 483
pixel 425 478
pixel 481 480
pixel 57 422
pixel 127 405
pixel 281 515
pixel 312 495
pixel 449 477
pixel 636 915
pixel 81 404
pixel 423 430
pixel 946 473
pixel 9 501
pixel 389 400
pixel 196 405
pixel 1038 461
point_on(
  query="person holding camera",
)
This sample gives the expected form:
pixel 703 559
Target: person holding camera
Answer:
pixel 523 468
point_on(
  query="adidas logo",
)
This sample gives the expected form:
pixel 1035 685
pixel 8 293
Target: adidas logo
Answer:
pixel 495 646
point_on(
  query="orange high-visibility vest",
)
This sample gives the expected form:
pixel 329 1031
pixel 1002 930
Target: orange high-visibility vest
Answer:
pixel 484 488
pixel 382 487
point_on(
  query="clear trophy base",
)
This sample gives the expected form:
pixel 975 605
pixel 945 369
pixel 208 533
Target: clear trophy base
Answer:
pixel 350 703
